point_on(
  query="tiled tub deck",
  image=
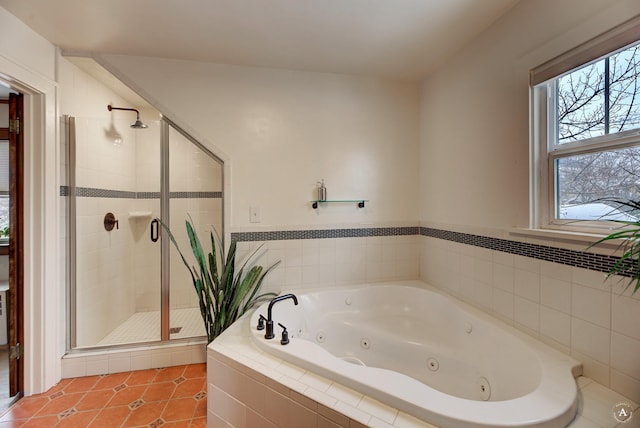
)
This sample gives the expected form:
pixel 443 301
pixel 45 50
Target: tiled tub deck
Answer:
pixel 251 389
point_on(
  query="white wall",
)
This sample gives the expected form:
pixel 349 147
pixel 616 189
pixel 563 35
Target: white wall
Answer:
pixel 27 63
pixel 475 111
pixel 474 178
pixel 284 130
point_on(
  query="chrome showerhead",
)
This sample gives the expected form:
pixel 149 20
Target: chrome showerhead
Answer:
pixel 137 124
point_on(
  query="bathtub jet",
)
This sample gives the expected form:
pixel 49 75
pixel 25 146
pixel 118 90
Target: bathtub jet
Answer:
pixel 428 355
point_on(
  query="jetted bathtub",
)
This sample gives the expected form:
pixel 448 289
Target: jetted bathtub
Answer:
pixel 426 354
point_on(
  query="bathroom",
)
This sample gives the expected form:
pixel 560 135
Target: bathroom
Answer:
pixel 393 144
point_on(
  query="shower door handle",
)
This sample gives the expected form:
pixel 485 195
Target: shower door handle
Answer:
pixel 155 229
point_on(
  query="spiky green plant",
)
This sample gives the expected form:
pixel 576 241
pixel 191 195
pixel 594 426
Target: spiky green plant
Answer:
pixel 628 236
pixel 225 291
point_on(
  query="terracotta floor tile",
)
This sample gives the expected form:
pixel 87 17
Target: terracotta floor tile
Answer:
pixel 199 422
pixel 127 395
pixel 111 381
pixel 201 409
pixel 159 391
pixel 44 422
pixel 141 377
pixel 58 387
pixel 111 417
pixel 189 388
pixel 60 404
pixel 12 424
pixel 178 424
pixel 169 373
pixel 95 400
pixel 81 384
pixel 25 408
pixel 145 414
pixel 195 370
pixel 103 401
pixel 78 419
pixel 176 410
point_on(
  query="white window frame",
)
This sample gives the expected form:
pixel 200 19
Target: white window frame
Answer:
pixel 544 152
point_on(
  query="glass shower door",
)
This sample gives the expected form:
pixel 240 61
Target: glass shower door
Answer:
pixel 128 283
pixel 195 194
pixel 114 192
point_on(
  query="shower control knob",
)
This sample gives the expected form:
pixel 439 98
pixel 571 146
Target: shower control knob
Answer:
pixel 110 222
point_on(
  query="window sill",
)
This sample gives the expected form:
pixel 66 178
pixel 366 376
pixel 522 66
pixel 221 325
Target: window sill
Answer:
pixel 551 235
pixel 4 249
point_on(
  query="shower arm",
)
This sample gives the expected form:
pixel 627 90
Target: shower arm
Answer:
pixel 138 123
pixel 110 107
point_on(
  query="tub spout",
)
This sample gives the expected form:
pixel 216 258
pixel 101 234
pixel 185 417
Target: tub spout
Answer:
pixel 269 331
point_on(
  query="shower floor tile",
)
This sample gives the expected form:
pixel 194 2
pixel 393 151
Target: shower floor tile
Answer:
pixel 145 327
pixel 175 396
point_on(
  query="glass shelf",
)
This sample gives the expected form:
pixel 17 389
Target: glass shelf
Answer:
pixel 360 202
pixel 140 214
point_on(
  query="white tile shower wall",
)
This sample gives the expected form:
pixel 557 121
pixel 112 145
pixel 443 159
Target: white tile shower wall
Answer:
pixel 104 268
pixel 204 213
pixel 147 257
pixel 578 311
pixel 147 157
pixel 105 260
pixel 147 254
pixel 99 162
pixel 336 261
pixel 201 212
pixel 191 170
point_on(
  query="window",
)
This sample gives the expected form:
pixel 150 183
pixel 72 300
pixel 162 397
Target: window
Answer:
pixel 586 119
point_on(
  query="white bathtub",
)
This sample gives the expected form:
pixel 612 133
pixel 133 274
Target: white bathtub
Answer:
pixel 425 354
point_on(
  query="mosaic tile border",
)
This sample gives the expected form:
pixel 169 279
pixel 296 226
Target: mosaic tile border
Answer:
pixel 284 235
pixel 91 192
pixel 580 259
pixel 195 195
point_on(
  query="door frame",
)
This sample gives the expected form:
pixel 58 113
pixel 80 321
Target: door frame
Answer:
pixel 44 282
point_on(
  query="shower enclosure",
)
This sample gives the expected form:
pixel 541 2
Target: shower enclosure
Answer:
pixel 127 282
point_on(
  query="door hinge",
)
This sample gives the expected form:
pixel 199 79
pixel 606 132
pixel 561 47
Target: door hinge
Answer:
pixel 14 125
pixel 15 352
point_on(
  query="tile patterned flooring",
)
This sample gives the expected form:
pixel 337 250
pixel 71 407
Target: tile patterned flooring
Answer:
pixel 169 397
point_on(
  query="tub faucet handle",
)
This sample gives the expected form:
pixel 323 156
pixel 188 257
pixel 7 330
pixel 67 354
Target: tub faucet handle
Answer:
pixel 268 334
pixel 261 321
pixel 285 335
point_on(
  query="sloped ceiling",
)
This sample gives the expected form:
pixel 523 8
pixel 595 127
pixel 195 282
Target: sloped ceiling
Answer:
pixel 395 39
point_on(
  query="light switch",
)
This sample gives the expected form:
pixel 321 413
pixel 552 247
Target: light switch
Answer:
pixel 254 215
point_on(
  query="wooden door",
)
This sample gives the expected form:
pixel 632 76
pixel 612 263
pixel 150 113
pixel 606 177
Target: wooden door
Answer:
pixel 16 254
